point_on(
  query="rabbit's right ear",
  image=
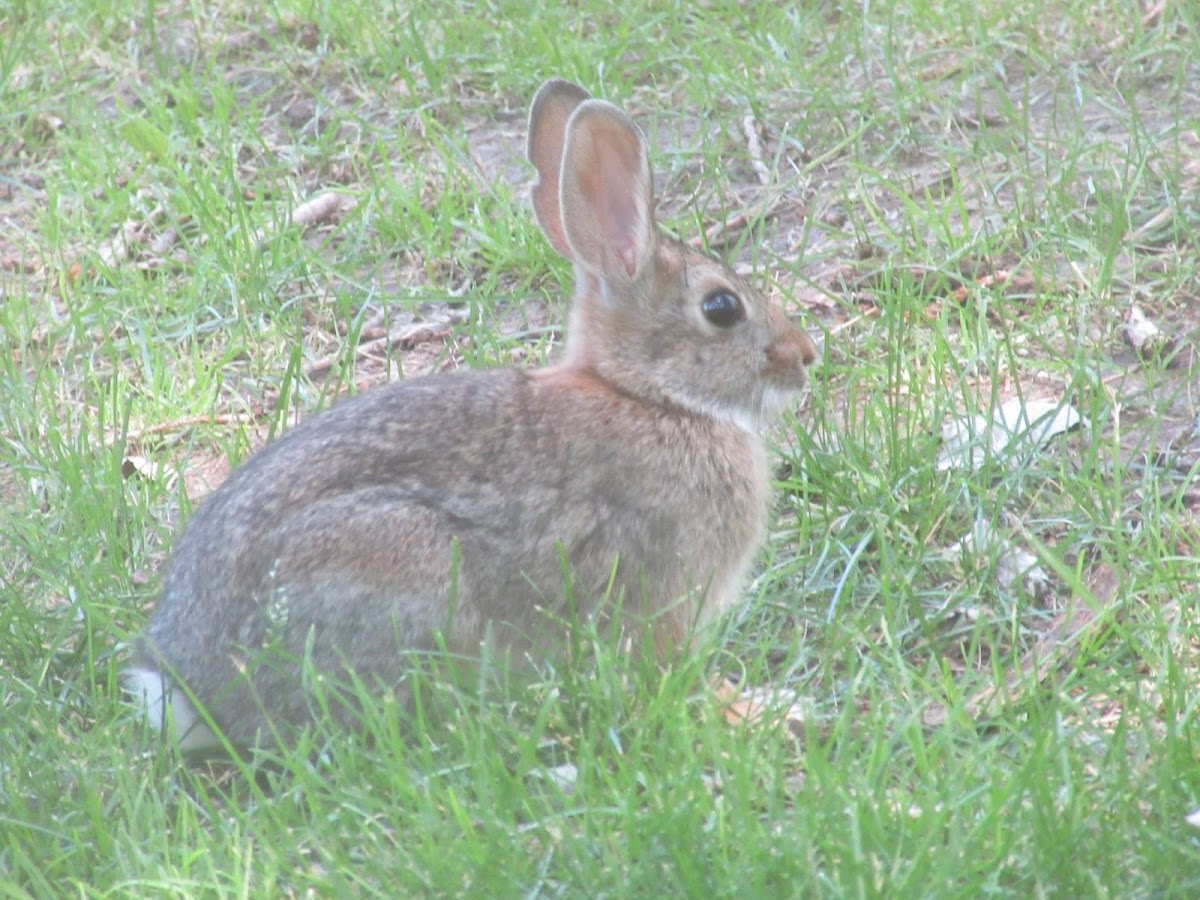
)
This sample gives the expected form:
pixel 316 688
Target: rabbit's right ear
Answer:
pixel 556 100
pixel 607 193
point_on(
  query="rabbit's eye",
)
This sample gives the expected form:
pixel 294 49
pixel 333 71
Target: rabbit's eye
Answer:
pixel 723 309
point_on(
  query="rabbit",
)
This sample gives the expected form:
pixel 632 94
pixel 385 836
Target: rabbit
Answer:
pixel 438 511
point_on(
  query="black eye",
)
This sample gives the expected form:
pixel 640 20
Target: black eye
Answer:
pixel 723 309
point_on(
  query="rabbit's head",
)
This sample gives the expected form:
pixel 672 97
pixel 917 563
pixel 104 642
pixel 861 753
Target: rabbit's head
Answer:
pixel 651 316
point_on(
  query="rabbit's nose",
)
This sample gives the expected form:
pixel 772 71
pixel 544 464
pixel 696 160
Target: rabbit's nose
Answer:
pixel 808 350
pixel 790 352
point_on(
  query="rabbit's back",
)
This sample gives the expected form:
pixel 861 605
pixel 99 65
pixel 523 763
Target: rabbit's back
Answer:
pixel 446 505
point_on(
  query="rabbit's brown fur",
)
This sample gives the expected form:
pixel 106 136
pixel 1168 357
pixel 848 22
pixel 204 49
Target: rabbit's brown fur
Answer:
pixel 638 456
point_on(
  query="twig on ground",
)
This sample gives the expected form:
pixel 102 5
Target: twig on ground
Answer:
pixel 751 128
pixel 404 338
pixel 134 438
pixel 1164 215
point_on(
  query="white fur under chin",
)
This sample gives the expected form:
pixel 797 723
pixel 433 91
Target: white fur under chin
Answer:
pixel 772 403
pixel 152 693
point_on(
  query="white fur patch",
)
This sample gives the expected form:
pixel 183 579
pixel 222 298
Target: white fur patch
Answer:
pixel 153 693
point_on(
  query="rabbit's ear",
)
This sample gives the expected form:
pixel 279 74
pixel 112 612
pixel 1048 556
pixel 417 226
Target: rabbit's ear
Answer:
pixel 548 117
pixel 607 192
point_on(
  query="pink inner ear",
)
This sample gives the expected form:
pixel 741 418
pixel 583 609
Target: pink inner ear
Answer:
pixel 618 215
pixel 628 256
pixel 548 117
pixel 607 193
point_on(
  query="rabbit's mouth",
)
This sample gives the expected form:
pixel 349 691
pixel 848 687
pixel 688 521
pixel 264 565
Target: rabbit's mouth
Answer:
pixel 774 401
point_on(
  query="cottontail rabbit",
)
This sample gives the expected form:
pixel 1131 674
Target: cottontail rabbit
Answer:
pixel 441 509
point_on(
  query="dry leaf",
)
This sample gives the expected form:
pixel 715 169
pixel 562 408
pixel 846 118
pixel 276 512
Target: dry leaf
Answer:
pixel 1144 336
pixel 142 467
pixel 1015 566
pixel 1017 563
pixel 563 777
pixel 780 706
pixel 1016 425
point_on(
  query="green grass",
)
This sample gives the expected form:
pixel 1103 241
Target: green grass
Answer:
pixel 911 149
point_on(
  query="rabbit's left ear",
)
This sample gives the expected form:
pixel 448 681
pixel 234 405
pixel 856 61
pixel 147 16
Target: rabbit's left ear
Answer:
pixel 607 192
pixel 548 117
